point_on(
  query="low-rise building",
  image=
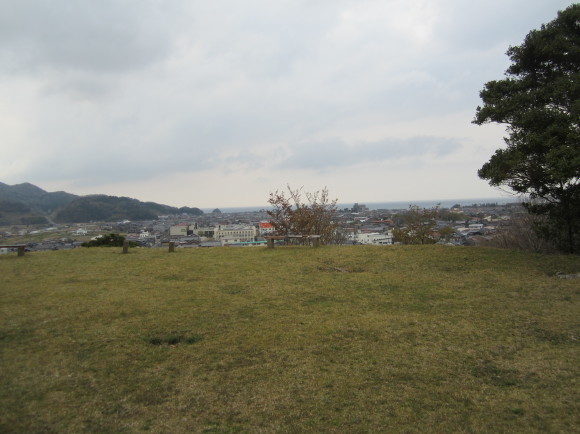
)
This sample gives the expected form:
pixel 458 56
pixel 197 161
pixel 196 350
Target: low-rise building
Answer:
pixel 179 230
pixel 385 238
pixel 265 228
pixel 231 240
pixel 241 232
pixel 203 231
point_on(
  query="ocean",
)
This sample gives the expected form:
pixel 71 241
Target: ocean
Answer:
pixel 444 203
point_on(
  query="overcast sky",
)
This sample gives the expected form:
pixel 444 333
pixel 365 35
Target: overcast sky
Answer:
pixel 217 103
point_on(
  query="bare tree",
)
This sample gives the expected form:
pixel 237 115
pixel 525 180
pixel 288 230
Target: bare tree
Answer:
pixel 522 234
pixel 292 215
pixel 281 213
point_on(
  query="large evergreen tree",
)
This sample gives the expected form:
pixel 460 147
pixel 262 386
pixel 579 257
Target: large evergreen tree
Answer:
pixel 539 101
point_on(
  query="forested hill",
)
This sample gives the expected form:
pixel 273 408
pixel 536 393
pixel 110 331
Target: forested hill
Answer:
pixel 35 197
pixel 112 208
pixel 28 204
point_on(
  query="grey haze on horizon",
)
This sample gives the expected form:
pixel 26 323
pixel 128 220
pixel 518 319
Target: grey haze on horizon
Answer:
pixel 215 104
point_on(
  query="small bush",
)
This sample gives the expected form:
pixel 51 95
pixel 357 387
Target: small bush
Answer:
pixel 522 234
pixel 110 240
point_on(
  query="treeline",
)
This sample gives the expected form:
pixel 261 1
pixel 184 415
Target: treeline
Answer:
pixel 112 208
pixel 14 212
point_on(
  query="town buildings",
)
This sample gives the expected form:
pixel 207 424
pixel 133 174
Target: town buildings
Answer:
pixel 469 225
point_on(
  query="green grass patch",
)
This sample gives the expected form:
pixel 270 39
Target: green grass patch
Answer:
pixel 173 338
pixel 293 339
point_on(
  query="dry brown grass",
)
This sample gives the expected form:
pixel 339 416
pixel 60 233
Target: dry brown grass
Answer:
pixel 297 339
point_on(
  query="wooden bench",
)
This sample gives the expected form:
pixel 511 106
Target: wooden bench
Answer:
pixel 20 248
pixel 271 238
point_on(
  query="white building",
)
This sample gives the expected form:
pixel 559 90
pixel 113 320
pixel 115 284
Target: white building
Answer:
pixel 385 238
pixel 241 232
pixel 179 230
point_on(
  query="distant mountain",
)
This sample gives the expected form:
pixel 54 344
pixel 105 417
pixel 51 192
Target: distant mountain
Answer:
pixel 35 198
pixel 110 208
pixel 28 204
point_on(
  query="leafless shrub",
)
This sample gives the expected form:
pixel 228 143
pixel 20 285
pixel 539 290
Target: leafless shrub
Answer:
pixel 522 234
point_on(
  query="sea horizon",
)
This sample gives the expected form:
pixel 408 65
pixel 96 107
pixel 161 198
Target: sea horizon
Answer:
pixel 390 205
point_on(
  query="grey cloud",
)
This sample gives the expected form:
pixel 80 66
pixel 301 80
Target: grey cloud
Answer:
pixel 466 25
pixel 83 35
pixel 333 154
pixel 195 85
pixel 115 163
pixel 80 86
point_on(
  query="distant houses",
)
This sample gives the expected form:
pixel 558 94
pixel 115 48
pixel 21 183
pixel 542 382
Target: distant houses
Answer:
pixel 253 234
pixel 473 225
pixel 223 234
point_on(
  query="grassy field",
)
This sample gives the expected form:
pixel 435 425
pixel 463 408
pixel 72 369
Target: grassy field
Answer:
pixel 296 339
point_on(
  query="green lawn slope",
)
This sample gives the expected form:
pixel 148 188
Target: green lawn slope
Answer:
pixel 296 339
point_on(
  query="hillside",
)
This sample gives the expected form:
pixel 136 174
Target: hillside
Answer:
pixel 292 339
pixel 25 204
pixel 13 212
pixel 28 204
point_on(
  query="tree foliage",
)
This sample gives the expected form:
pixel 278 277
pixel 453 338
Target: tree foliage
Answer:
pixel 452 215
pixel 293 215
pixel 419 226
pixel 13 212
pixel 539 101
pixel 110 240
